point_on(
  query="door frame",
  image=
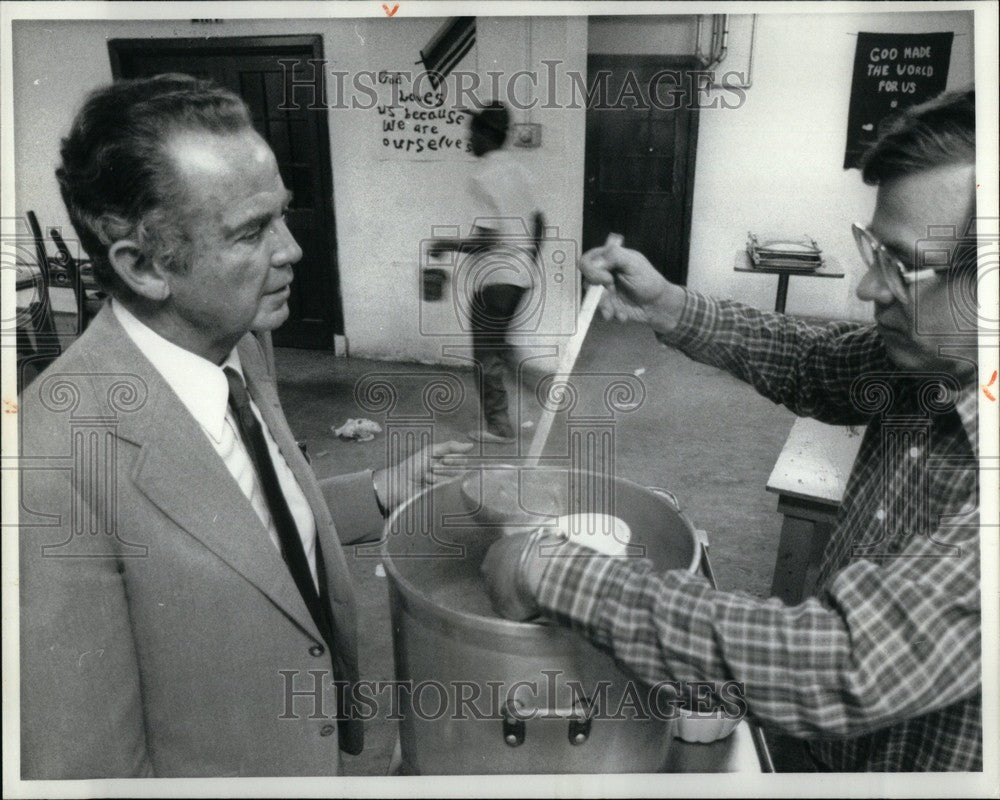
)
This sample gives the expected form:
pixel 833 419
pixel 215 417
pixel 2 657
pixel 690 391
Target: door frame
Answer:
pixel 618 60
pixel 292 45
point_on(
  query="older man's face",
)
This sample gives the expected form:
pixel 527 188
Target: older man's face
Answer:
pixel 241 249
pixel 927 328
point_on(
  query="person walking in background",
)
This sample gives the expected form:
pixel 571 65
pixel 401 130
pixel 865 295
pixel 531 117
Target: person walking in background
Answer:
pixel 501 261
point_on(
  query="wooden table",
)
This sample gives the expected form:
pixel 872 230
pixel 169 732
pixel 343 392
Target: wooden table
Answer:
pixel 809 478
pixel 829 269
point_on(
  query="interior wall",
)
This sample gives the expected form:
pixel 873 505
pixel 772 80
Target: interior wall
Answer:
pixel 774 165
pixel 384 205
pixel 670 34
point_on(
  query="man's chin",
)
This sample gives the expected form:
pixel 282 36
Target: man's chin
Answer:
pixel 907 357
pixel 271 319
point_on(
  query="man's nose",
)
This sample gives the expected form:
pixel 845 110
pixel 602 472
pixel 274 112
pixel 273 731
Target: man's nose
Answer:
pixel 287 250
pixel 874 289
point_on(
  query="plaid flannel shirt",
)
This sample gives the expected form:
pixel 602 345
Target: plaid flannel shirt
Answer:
pixel 880 671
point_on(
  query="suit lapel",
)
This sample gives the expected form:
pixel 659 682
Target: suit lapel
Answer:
pixel 180 472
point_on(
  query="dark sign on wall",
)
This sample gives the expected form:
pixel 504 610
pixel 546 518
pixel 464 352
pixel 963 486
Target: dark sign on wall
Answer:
pixel 892 71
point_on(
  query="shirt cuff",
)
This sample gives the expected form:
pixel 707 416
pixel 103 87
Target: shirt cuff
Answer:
pixel 698 321
pixel 353 506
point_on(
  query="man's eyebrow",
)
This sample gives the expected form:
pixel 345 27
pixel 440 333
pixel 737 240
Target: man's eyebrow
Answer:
pixel 257 219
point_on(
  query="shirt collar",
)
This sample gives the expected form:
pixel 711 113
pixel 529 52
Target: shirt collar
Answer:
pixel 200 385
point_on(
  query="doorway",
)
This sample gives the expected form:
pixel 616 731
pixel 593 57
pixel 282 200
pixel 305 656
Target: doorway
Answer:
pixel 640 156
pixel 297 132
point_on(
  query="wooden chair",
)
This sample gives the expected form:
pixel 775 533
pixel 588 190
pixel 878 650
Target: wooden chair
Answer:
pixel 89 299
pixel 38 342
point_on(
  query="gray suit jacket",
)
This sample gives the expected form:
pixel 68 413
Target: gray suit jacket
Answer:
pixel 161 632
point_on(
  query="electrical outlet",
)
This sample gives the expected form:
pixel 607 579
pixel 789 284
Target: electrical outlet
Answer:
pixel 526 134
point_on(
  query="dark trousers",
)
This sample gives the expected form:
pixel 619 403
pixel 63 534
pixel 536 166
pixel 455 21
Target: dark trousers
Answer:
pixel 492 310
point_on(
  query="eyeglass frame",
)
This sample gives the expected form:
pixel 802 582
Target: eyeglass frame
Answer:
pixel 890 266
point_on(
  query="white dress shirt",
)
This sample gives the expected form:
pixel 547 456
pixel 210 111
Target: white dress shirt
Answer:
pixel 202 388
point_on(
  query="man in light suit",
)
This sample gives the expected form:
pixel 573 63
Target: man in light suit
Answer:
pixel 186 606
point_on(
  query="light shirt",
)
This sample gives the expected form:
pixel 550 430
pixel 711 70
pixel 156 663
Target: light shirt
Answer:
pixel 202 388
pixel 505 201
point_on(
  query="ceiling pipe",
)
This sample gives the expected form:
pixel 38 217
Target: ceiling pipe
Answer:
pixel 718 42
pixel 723 50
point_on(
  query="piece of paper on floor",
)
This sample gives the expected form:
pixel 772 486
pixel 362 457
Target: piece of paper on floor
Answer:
pixel 360 430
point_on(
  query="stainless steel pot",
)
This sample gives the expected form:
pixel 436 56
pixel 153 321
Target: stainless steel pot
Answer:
pixel 545 698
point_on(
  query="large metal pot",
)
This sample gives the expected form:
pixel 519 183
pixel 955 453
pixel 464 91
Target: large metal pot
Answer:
pixel 528 715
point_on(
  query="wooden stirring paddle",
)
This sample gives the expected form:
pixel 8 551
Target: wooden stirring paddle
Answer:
pixel 572 350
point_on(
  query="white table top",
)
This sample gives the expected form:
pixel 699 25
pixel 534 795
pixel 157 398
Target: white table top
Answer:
pixel 815 462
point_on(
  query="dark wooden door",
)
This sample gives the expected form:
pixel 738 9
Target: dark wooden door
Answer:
pixel 640 149
pixel 298 134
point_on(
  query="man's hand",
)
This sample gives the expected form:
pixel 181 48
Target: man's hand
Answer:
pixel 513 570
pixel 397 484
pixel 635 291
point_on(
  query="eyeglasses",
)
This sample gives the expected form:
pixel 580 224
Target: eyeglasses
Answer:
pixel 891 270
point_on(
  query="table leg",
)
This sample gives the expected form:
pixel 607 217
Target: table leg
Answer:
pixel 805 530
pixel 792 563
pixel 779 303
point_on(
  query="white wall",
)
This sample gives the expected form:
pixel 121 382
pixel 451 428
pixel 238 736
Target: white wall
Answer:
pixel 774 165
pixel 383 206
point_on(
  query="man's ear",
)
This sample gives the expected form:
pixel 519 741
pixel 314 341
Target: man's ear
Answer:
pixel 141 274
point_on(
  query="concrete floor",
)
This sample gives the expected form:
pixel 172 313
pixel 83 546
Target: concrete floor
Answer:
pixel 698 432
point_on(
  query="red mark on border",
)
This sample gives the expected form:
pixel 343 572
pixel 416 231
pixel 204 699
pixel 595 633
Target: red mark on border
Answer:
pixel 389 12
pixel 986 386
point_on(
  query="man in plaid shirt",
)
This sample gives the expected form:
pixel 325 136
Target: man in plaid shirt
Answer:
pixel 880 671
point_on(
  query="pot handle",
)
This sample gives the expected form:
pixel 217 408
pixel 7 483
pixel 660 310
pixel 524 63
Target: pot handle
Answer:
pixel 516 714
pixel 668 495
pixel 706 565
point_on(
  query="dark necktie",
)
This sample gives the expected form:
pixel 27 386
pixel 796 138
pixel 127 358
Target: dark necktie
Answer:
pixel 349 729
pixel 288 532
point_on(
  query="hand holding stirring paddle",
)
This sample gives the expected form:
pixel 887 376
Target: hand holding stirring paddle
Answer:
pixel 634 290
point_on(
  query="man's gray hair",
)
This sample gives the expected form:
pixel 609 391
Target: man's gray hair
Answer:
pixel 116 178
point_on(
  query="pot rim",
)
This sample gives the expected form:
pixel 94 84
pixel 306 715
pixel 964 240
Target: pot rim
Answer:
pixel 498 625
